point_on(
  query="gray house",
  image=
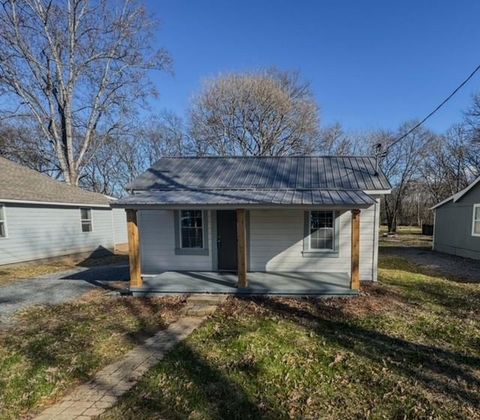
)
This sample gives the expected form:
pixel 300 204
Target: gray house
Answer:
pixel 301 225
pixel 457 223
pixel 42 218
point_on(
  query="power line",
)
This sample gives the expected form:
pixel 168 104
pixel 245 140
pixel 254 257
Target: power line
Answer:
pixel 435 110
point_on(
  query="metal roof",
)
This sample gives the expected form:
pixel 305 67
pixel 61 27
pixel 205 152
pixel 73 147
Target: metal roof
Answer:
pixel 299 198
pixel 21 184
pixel 247 173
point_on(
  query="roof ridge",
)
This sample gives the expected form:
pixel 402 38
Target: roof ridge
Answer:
pixel 266 157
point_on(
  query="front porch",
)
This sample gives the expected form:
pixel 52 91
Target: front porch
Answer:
pixel 259 283
pixel 245 281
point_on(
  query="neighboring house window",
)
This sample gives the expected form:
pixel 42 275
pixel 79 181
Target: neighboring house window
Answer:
pixel 86 216
pixel 476 220
pixel 191 228
pixel 322 230
pixel 3 226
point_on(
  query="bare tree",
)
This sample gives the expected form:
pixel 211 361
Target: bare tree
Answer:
pixel 334 140
pixel 118 159
pixel 260 113
pixel 77 68
pixel 401 166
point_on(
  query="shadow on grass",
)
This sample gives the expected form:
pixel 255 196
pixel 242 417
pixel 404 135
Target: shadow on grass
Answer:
pixel 201 389
pixel 69 348
pixel 449 373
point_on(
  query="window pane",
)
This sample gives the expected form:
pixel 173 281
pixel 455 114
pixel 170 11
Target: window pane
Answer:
pixel 2 217
pixel 85 214
pixel 477 213
pixel 321 230
pixel 192 238
pixel 2 230
pixel 476 228
pixel 191 218
pixel 86 226
pixel 191 228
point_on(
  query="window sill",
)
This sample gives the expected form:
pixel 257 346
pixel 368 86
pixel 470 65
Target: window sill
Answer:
pixel 317 254
pixel 191 251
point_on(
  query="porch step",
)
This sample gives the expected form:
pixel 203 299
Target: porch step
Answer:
pixel 202 305
pixel 209 299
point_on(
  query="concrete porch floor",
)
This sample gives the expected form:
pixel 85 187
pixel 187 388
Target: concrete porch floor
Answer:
pixel 259 283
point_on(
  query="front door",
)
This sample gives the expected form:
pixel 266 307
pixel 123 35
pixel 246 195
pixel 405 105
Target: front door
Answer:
pixel 227 240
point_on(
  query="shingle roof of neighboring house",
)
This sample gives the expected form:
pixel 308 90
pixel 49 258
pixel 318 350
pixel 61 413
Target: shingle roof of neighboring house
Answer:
pixel 305 180
pixel 18 183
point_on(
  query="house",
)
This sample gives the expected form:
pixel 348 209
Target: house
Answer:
pixel 286 225
pixel 42 218
pixel 457 223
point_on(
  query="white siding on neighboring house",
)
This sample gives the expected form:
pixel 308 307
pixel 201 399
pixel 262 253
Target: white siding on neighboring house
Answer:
pixel 36 231
pixel 120 234
pixel 157 244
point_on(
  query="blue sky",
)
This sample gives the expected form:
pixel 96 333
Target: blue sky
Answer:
pixel 371 63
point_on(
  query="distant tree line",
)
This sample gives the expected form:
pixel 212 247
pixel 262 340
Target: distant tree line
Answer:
pixel 74 91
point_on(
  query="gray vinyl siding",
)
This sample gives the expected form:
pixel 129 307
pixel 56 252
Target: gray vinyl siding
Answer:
pixel 157 244
pixel 453 227
pixel 120 234
pixel 275 243
pixel 35 232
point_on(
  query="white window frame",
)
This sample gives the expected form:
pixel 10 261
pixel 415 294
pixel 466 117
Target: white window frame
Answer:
pixel 475 206
pixel 82 220
pixel 310 232
pixel 180 229
pixel 3 219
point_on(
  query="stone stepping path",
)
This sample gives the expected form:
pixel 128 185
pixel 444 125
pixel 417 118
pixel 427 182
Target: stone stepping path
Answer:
pixel 96 396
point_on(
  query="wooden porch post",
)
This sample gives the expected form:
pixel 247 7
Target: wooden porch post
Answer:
pixel 355 281
pixel 241 248
pixel 134 249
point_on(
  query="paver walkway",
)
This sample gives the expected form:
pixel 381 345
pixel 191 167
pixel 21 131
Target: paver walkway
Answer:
pixel 95 397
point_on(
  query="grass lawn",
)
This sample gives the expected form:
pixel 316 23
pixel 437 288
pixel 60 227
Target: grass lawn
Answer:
pixel 11 273
pixel 50 349
pixel 406 236
pixel 408 347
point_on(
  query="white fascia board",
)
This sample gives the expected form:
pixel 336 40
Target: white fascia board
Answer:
pixel 53 203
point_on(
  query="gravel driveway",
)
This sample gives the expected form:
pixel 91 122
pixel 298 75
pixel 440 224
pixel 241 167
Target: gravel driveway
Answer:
pixel 58 287
pixel 455 268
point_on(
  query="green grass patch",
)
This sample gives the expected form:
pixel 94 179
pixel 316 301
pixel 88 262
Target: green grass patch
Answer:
pixel 52 348
pixel 408 347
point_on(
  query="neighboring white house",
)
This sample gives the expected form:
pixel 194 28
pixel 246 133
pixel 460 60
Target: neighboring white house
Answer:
pixel 254 215
pixel 41 217
pixel 457 223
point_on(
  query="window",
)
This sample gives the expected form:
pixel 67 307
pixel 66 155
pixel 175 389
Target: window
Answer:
pixel 86 217
pixel 476 220
pixel 3 227
pixel 191 229
pixel 322 230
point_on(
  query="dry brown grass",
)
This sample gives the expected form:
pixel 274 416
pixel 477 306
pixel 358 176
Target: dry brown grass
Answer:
pixel 50 349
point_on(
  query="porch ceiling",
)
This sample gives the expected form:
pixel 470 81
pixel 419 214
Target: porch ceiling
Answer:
pixel 260 283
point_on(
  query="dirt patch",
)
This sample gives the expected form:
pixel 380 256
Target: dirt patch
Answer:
pixel 455 268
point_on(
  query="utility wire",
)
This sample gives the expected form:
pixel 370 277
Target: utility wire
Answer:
pixel 434 111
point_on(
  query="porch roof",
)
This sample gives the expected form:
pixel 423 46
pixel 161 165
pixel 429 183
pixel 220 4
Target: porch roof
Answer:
pixel 247 198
